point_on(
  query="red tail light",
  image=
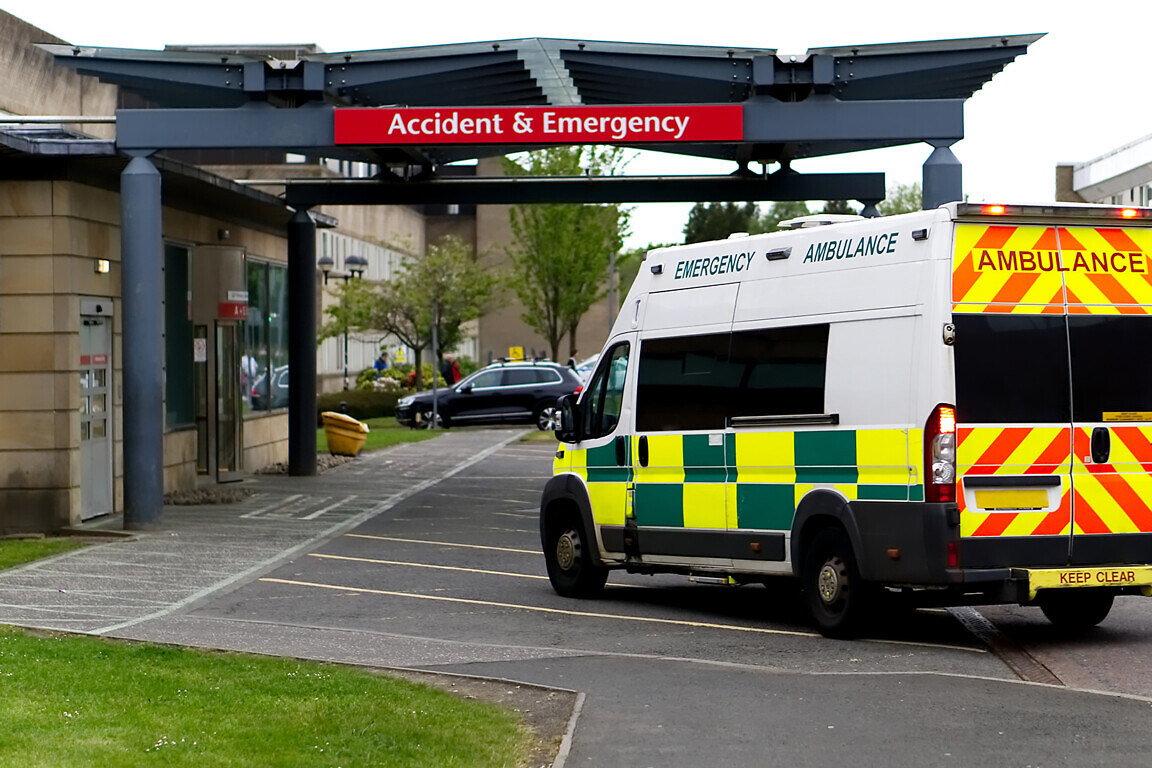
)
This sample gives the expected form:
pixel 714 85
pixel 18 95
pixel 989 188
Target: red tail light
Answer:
pixel 940 454
pixel 953 555
pixel 578 390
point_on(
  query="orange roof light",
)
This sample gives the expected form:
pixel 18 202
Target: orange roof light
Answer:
pixel 1129 213
pixel 995 210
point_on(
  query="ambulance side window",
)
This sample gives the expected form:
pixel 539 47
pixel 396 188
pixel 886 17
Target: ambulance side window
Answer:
pixel 682 383
pixel 1011 369
pixel 781 371
pixel 604 397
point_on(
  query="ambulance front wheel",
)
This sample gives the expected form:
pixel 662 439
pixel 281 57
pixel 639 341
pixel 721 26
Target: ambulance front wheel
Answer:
pixel 835 594
pixel 567 553
pixel 1075 609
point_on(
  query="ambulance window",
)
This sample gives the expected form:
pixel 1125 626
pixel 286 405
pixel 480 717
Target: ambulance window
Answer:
pixel 1011 369
pixel 605 394
pixel 682 383
pixel 780 371
pixel 1111 365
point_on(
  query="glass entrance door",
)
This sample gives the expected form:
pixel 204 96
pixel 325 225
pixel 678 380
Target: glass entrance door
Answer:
pixel 217 387
pixel 95 417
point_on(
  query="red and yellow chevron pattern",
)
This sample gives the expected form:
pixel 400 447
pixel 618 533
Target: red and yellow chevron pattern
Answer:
pixel 1115 497
pixel 984 451
pixel 1051 270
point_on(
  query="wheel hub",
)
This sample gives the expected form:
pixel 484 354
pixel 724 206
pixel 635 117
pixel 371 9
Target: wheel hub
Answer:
pixel 568 550
pixel 831 583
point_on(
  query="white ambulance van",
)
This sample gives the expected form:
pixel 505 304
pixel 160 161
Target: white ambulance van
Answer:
pixel 954 405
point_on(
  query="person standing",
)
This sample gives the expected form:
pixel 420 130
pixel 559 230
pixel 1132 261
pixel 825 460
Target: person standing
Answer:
pixel 381 364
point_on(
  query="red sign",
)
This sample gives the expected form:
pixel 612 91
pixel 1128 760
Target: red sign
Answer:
pixel 541 125
pixel 232 310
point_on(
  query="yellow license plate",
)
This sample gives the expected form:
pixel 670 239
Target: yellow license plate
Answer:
pixel 1036 498
pixel 1110 576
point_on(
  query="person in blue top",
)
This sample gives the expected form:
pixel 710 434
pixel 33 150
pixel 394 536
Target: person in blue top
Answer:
pixel 381 364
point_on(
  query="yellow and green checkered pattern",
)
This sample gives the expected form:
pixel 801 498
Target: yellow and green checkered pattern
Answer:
pixel 749 480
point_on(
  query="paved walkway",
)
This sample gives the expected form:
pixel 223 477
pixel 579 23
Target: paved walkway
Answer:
pixel 200 551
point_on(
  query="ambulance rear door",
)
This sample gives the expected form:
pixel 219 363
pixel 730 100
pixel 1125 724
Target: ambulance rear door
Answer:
pixel 1013 399
pixel 1109 304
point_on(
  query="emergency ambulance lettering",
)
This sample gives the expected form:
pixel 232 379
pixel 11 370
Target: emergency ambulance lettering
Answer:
pixel 714 265
pixel 851 248
pixel 1056 261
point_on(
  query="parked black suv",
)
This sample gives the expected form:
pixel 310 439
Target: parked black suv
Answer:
pixel 501 393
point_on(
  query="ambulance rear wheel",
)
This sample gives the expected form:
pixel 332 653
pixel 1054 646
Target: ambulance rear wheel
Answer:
pixel 568 556
pixel 835 594
pixel 1075 609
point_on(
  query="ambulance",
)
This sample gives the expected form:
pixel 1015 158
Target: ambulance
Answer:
pixel 951 406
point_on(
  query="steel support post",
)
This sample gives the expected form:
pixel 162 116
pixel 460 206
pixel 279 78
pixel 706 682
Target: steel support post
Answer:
pixel 943 178
pixel 141 252
pixel 302 344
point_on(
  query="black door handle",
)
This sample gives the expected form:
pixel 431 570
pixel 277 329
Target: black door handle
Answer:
pixel 643 450
pixel 621 450
pixel 1101 445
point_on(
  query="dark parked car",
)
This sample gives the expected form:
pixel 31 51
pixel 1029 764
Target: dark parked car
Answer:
pixel 265 396
pixel 502 393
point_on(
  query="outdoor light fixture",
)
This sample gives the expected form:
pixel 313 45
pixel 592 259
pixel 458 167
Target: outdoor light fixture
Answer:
pixel 102 266
pixel 356 265
pixel 325 264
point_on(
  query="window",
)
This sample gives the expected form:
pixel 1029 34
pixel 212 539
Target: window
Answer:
pixel 1011 368
pixel 1111 367
pixel 778 371
pixel 605 394
pixel 266 329
pixel 519 376
pixel 699 382
pixel 485 379
pixel 179 398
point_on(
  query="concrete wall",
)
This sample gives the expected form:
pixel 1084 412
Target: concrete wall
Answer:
pixel 51 234
pixel 32 84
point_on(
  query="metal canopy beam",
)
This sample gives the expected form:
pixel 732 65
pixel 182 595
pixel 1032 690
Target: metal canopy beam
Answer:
pixel 819 125
pixel 865 187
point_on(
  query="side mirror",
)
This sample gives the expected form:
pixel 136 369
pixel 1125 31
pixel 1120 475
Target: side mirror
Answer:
pixel 467 389
pixel 568 419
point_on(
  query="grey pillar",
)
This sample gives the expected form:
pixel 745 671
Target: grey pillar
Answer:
pixel 142 292
pixel 302 344
pixel 943 177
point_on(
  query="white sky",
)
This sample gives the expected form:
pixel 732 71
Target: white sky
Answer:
pixel 1079 92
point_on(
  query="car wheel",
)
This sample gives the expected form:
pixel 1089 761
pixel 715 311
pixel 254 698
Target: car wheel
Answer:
pixel 836 596
pixel 425 420
pixel 568 558
pixel 1075 609
pixel 546 418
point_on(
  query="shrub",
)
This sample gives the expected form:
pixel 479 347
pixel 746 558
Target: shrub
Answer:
pixel 360 404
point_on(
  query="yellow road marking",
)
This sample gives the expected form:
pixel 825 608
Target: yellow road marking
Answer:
pixel 540 609
pixel 427 565
pixel 442 543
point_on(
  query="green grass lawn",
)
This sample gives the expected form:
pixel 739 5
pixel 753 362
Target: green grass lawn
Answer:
pixel 14 552
pixel 382 433
pixel 74 700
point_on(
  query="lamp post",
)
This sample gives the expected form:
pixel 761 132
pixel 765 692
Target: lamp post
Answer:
pixel 356 266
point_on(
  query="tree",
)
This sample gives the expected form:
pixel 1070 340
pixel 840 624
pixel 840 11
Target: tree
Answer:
pixel 839 207
pixel 446 283
pixel 561 251
pixel 781 211
pixel 716 221
pixel 902 198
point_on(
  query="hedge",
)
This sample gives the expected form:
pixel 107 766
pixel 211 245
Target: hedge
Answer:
pixel 358 403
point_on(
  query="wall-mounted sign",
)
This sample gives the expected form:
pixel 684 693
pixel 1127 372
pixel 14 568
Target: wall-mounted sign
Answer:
pixel 632 124
pixel 232 310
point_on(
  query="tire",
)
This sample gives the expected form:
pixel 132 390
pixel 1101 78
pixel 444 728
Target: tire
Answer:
pixel 567 553
pixel 837 598
pixel 546 418
pixel 425 420
pixel 1075 609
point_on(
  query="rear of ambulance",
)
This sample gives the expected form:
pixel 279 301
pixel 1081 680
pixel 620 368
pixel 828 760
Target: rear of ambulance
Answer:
pixel 1047 449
